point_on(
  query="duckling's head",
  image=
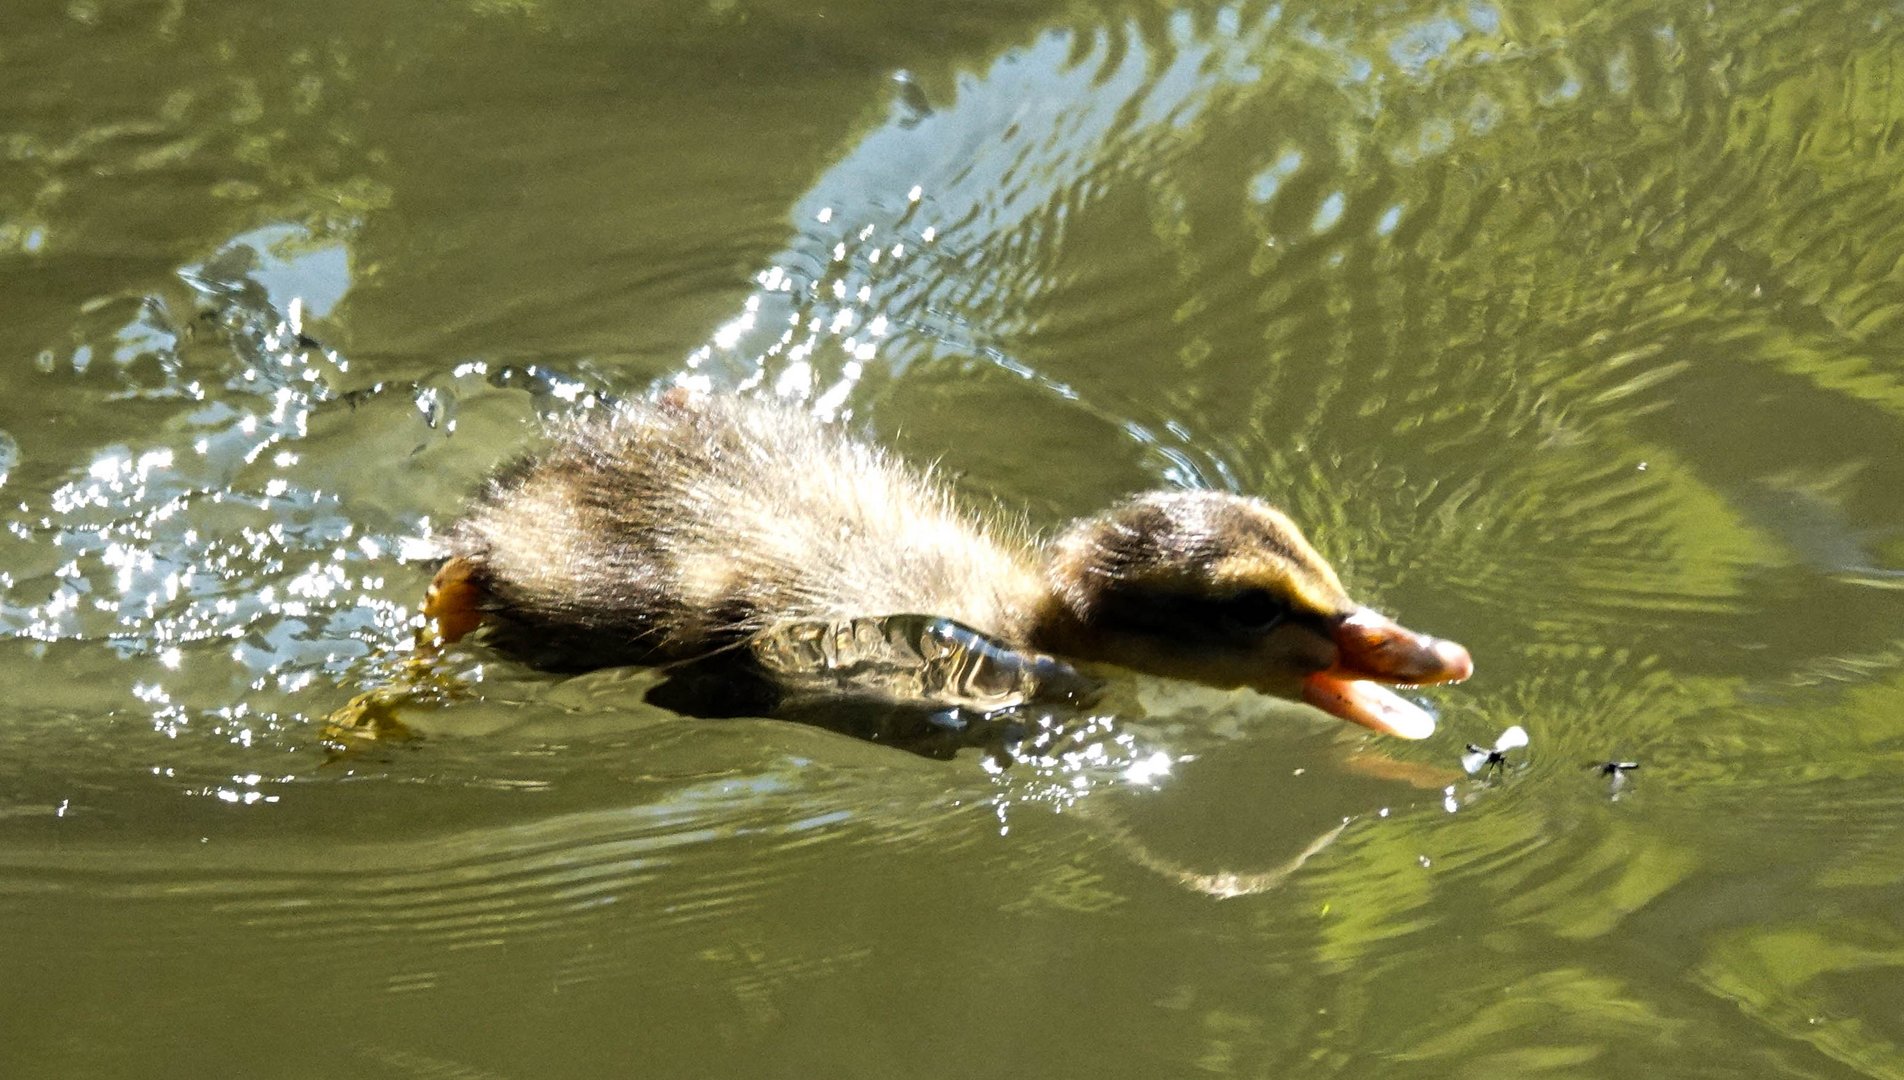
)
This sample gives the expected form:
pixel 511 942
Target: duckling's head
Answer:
pixel 1224 590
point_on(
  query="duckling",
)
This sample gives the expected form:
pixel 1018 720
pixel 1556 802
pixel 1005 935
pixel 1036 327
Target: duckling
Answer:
pixel 671 532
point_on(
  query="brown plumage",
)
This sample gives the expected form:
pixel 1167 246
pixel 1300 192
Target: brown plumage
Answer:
pixel 666 532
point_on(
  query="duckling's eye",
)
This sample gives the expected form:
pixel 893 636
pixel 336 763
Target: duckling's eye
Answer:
pixel 1256 610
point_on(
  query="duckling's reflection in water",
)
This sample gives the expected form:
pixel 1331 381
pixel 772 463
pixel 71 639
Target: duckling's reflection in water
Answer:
pixel 920 682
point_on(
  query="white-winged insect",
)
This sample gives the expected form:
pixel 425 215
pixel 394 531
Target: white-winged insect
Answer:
pixel 1615 772
pixel 1482 758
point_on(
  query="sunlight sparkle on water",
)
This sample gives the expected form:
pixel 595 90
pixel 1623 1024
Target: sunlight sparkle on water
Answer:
pixel 1329 212
pixel 1149 770
pixel 246 792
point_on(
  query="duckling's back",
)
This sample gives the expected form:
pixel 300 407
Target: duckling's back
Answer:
pixel 656 532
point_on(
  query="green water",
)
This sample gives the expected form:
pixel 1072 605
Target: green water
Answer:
pixel 1574 332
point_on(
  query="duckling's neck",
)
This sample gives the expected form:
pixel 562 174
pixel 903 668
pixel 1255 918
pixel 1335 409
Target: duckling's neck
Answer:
pixel 1052 614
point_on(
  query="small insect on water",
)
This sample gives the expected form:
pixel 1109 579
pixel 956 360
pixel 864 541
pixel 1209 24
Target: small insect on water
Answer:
pixel 1481 758
pixel 1615 772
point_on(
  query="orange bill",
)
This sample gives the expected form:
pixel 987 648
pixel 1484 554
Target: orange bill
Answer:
pixel 1372 650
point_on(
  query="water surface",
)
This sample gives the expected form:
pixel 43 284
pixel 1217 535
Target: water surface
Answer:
pixel 1572 332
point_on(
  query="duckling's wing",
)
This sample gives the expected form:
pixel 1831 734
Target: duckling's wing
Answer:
pixel 910 659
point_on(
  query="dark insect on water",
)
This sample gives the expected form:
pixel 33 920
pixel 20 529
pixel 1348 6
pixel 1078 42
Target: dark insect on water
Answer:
pixel 1483 758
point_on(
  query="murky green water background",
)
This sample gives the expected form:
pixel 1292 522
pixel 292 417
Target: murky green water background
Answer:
pixel 1574 331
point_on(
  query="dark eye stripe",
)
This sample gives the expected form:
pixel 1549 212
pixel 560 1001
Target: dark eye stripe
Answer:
pixel 1257 610
pixel 1229 619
